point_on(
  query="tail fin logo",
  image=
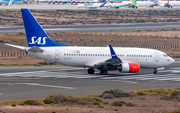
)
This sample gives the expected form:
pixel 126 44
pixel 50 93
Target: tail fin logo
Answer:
pixel 39 41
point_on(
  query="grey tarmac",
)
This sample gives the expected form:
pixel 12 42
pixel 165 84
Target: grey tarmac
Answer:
pixel 20 83
pixel 96 27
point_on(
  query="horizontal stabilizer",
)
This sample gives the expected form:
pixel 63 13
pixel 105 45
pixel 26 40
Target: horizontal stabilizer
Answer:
pixel 19 47
pixel 35 49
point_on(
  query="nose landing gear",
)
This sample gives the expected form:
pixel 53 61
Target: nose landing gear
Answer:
pixel 155 71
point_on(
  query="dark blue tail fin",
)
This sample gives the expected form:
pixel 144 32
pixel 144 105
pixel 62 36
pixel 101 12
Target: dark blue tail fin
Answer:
pixel 36 36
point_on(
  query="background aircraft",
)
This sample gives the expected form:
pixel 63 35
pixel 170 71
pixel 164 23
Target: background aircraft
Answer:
pixel 9 2
pixel 128 60
pixel 121 4
pixel 168 3
pixel 140 3
pixel 91 5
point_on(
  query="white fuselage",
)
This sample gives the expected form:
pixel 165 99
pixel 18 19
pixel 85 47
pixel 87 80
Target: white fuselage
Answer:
pixel 89 5
pixel 144 3
pixel 89 56
pixel 117 4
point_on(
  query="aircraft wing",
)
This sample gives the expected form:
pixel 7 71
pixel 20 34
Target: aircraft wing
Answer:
pixel 112 61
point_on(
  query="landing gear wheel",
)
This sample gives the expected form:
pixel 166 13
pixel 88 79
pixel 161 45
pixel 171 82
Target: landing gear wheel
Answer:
pixel 155 71
pixel 103 72
pixel 91 71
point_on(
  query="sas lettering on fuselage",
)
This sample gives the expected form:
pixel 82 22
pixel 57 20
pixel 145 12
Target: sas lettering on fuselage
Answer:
pixel 38 41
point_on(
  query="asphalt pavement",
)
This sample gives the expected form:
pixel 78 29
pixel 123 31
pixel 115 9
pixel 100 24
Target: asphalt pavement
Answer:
pixel 97 27
pixel 19 83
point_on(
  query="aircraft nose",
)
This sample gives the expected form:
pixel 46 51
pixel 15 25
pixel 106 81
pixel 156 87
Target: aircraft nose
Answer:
pixel 172 60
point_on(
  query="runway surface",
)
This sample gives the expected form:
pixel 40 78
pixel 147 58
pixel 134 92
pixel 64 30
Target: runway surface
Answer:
pixel 97 27
pixel 73 7
pixel 38 82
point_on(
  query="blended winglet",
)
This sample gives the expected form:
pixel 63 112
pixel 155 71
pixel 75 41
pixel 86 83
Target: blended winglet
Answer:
pixel 113 54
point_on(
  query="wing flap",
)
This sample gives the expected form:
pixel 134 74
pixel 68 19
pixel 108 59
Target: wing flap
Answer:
pixel 112 61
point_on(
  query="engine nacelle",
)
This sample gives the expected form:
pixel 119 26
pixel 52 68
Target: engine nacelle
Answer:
pixel 129 67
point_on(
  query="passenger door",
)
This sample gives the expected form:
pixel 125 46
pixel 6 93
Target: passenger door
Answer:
pixel 156 57
pixel 57 55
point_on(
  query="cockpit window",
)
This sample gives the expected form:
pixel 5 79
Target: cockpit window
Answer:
pixel 165 55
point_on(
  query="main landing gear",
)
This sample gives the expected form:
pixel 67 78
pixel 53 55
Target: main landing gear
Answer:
pixel 90 71
pixel 103 71
pixel 155 71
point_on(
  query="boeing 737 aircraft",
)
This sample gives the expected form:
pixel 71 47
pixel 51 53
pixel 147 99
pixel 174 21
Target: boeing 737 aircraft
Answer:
pixel 127 60
pixel 91 5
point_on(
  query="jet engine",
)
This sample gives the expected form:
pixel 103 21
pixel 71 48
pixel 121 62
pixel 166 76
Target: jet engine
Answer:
pixel 129 67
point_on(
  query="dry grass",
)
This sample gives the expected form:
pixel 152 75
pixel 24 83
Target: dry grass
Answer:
pixel 144 104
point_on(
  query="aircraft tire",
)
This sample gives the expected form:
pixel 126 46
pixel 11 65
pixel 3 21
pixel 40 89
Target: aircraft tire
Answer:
pixel 155 72
pixel 91 71
pixel 103 72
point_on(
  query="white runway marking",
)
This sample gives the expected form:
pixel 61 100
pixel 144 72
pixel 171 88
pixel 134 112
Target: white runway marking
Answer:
pixel 35 84
pixel 173 75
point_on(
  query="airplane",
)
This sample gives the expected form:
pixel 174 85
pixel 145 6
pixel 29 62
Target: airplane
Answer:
pixel 123 59
pixel 121 4
pixel 91 5
pixel 169 4
pixel 9 1
pixel 140 3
